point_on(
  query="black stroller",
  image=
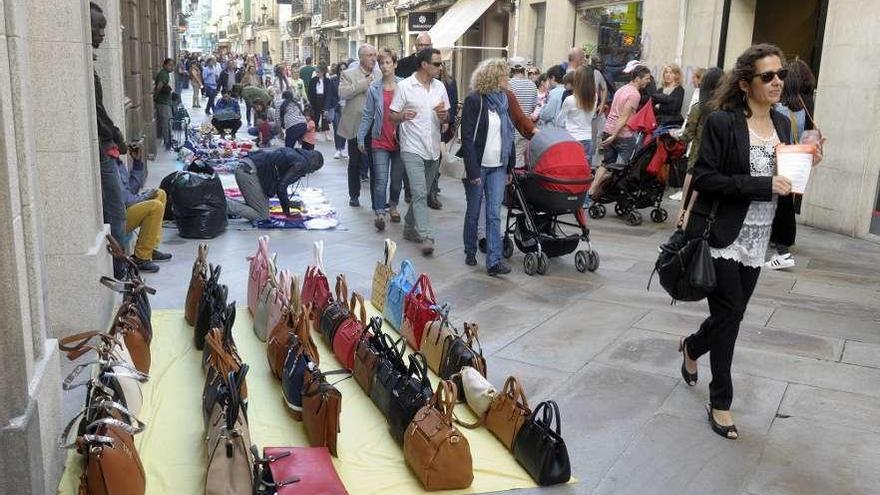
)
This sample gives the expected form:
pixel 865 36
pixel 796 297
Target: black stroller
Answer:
pixel 179 123
pixel 554 185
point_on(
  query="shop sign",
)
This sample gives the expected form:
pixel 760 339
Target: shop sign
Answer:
pixel 422 21
pixel 316 20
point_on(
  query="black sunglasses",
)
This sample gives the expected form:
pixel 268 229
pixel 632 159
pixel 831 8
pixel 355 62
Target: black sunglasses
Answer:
pixel 767 77
pixel 437 64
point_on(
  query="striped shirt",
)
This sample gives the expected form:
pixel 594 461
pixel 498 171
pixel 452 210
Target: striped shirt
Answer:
pixel 526 94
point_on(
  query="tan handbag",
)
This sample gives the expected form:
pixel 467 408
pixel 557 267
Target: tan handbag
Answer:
pixel 382 275
pixel 508 412
pixel 436 451
pixel 230 460
pixel 279 336
pixel 197 283
pixel 264 302
pixel 434 338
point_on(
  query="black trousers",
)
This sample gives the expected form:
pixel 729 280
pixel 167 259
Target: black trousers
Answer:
pixel 717 335
pixel 356 162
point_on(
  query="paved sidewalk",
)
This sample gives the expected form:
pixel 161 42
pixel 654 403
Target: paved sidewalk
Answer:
pixel 806 370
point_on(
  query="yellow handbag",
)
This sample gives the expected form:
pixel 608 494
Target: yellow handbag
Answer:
pixel 382 275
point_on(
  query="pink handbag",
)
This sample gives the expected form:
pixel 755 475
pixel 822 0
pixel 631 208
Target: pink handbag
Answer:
pixel 259 272
pixel 280 299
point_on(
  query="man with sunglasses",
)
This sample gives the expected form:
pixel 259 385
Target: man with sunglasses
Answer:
pixel 407 66
pixel 421 107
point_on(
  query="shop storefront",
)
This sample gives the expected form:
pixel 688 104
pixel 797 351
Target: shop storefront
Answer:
pixel 380 25
pixel 614 32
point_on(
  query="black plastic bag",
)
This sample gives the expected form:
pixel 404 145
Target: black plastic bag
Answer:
pixel 167 185
pixel 199 205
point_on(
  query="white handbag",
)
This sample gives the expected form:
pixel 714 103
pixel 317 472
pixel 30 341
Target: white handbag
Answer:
pixel 478 392
pixel 450 164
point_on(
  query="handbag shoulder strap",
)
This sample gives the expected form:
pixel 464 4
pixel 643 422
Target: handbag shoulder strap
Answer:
pixel 295 296
pixel 319 255
pixel 479 116
pixel 807 112
pixel 357 301
pixel 471 331
pixel 341 289
pixel 794 127
pixel 390 249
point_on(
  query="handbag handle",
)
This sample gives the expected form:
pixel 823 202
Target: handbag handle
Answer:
pixel 319 255
pixel 424 285
pixel 513 389
pixel 357 299
pixel 341 289
pixel 295 297
pixel 390 249
pixel 444 399
pixel 214 277
pixel 470 331
pixel 124 287
pixel 550 415
pixel 418 367
pixel 407 271
pixel 374 327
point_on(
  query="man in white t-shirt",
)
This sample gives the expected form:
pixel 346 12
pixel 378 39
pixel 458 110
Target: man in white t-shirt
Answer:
pixel 421 107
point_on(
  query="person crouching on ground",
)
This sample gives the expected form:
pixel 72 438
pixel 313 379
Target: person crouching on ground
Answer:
pixel 143 210
pixel 264 127
pixel 267 173
pixel 487 139
pixel 421 108
pixel 292 119
pixel 227 114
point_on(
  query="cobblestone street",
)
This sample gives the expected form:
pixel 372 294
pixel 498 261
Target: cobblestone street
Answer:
pixel 806 369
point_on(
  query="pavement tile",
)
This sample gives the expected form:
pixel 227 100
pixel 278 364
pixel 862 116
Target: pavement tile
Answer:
pixel 830 407
pixel 809 458
pixel 503 320
pixel 572 337
pixel 675 456
pixel 866 297
pixel 540 383
pixel 862 354
pixel 831 325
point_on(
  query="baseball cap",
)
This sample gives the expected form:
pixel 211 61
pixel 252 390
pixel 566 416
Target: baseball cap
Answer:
pixel 516 62
pixel 631 65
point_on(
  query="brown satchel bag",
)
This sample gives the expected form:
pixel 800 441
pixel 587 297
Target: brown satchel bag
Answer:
pixel 434 449
pixel 382 275
pixel 129 325
pixel 367 353
pixel 197 283
pixel 279 335
pixel 322 406
pixel 508 411
pixel 435 337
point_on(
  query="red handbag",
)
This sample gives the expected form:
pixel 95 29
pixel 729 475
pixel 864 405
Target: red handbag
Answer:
pixel 316 289
pixel 350 332
pixel 259 272
pixel 419 309
pixel 302 470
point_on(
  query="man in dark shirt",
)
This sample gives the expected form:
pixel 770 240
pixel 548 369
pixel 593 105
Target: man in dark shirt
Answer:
pixel 162 101
pixel 111 144
pixel 307 71
pixel 267 173
pixel 407 66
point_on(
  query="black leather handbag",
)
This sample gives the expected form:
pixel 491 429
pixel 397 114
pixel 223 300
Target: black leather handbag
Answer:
pixel 212 303
pixel 684 266
pixel 390 368
pixel 460 351
pixel 335 312
pixel 539 447
pixel 412 392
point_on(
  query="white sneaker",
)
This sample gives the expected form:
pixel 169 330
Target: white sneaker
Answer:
pixel 345 155
pixel 780 262
pixel 338 155
pixel 677 196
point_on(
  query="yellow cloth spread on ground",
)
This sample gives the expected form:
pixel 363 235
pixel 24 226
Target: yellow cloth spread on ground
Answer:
pixel 172 447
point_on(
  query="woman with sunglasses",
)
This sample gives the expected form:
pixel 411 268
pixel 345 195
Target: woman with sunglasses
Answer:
pixel 737 185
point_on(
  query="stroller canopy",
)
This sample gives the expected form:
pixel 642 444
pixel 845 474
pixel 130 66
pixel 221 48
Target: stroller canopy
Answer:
pixel 558 161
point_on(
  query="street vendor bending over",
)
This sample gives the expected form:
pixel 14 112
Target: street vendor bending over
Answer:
pixel 266 173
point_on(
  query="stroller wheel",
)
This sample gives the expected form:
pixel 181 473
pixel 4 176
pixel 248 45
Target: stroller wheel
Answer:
pixel 659 215
pixel 580 261
pixel 597 210
pixel 530 264
pixel 543 263
pixel 593 261
pixel 507 248
pixel 620 210
pixel 634 218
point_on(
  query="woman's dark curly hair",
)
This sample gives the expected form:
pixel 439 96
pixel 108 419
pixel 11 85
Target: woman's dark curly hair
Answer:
pixel 729 96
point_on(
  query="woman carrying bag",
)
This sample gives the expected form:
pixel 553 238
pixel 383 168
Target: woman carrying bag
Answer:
pixel 737 202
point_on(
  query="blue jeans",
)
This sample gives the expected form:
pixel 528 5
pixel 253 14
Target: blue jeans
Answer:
pixel 493 181
pixel 385 162
pixel 588 151
pixel 338 140
pixel 294 134
pixel 420 172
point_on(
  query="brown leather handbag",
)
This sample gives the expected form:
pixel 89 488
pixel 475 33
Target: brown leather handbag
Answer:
pixel 436 451
pixel 508 411
pixel 197 283
pixel 322 406
pixel 230 459
pixel 436 334
pixel 383 275
pixel 279 336
pixel 131 328
pixel 367 353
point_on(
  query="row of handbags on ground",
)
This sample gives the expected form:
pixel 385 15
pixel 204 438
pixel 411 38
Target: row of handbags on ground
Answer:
pixel 230 453
pixel 105 428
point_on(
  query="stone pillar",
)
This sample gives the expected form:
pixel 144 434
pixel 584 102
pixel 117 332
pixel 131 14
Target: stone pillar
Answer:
pixel 29 386
pixel 559 31
pixel 842 190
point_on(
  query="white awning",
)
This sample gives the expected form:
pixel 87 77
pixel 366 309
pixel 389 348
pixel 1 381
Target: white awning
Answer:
pixel 458 19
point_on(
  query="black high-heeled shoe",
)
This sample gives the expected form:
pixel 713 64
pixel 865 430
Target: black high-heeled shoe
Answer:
pixel 721 430
pixel 689 378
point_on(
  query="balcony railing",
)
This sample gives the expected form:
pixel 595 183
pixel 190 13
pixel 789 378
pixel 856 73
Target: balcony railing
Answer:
pixel 265 22
pixel 295 29
pixel 232 29
pixel 332 10
pixel 301 8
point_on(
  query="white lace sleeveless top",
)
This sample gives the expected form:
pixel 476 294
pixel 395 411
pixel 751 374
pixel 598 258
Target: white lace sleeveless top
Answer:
pixel 750 246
